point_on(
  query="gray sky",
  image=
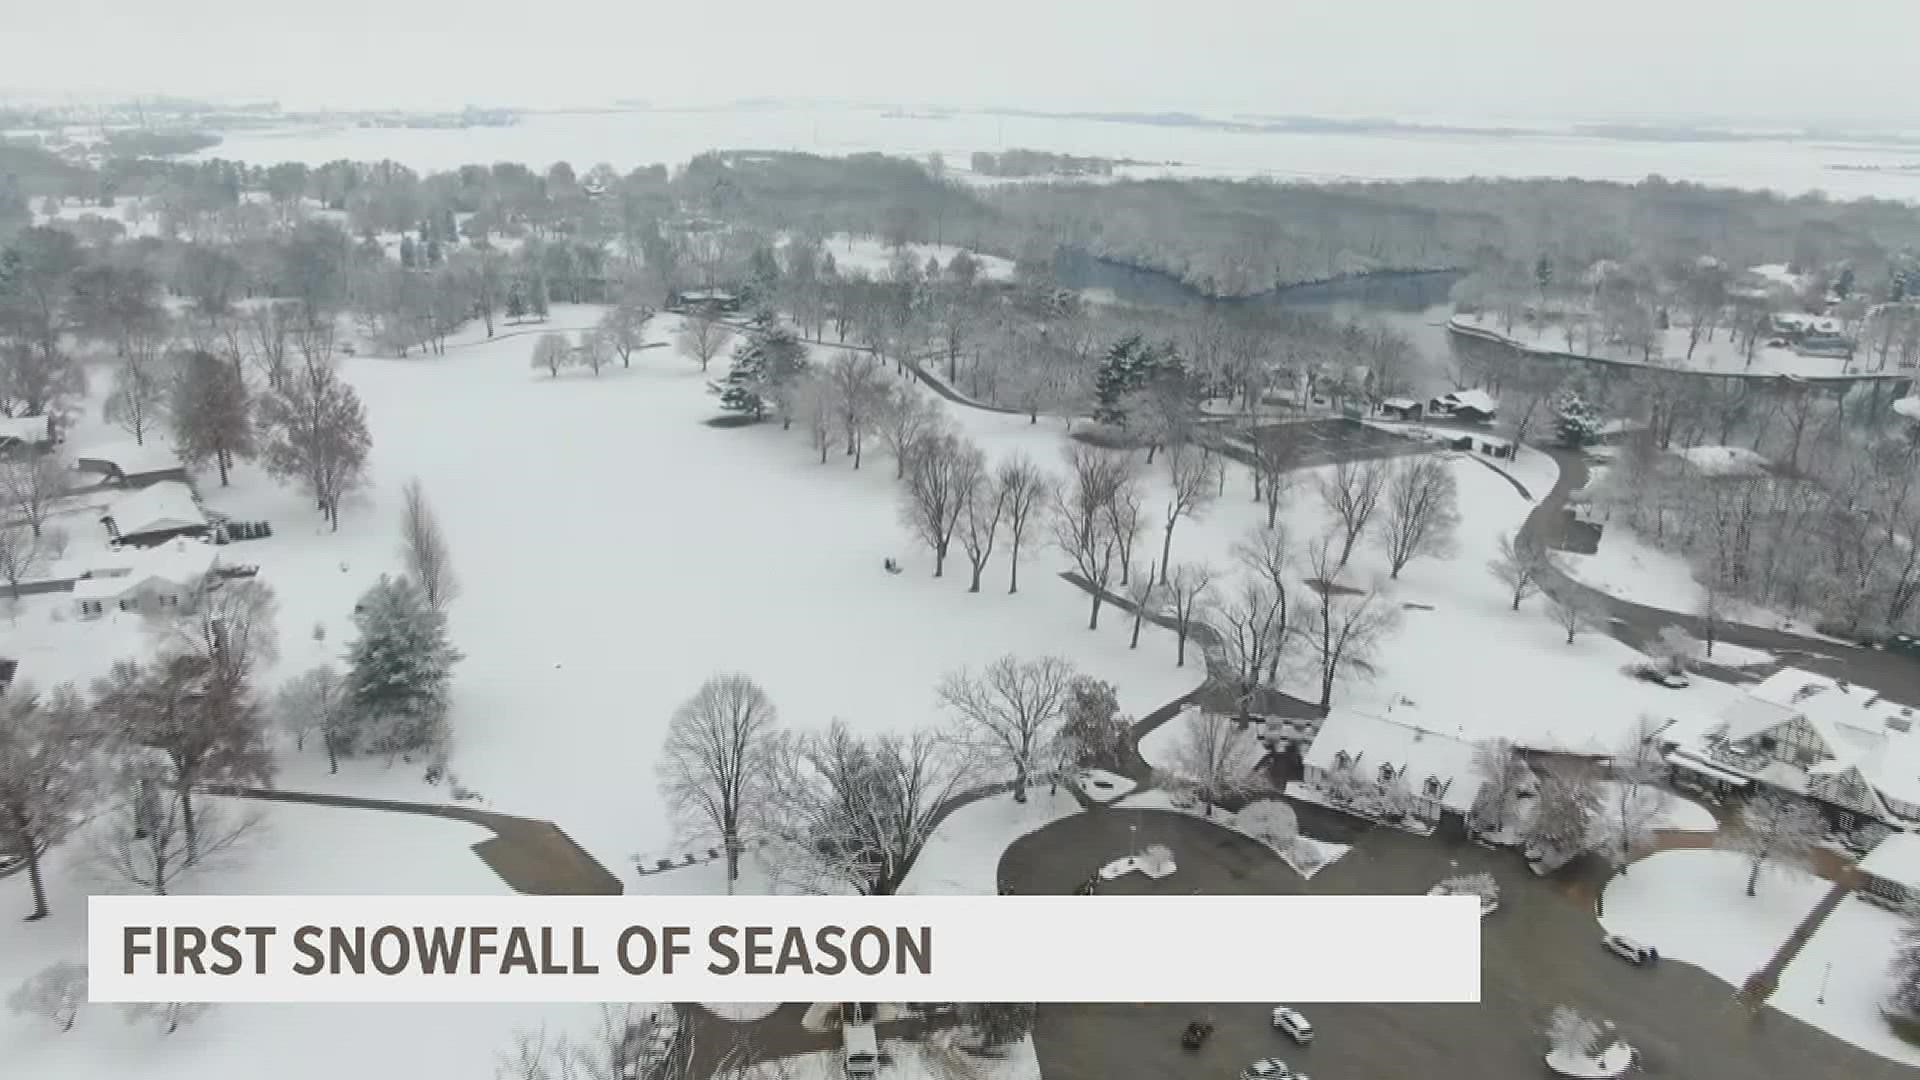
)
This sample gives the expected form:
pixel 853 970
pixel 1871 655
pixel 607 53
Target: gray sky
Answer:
pixel 1519 60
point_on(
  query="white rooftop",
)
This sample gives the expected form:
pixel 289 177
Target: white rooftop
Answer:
pixel 156 508
pixel 132 459
pixel 1895 859
pixel 1371 741
pixel 1478 400
pixel 1860 729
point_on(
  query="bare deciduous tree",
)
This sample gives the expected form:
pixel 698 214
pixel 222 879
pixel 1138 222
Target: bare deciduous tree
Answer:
pixel 423 548
pixel 1351 492
pixel 1634 803
pixel 48 779
pixel 1420 511
pixel 703 338
pixel 941 472
pixel 138 399
pixel 1189 595
pixel 1575 612
pixel 30 486
pixel 23 552
pixel 1126 520
pixel 1143 591
pixel 317 434
pixel 143 841
pixel 55 992
pixel 595 351
pixel 1343 625
pixel 1275 455
pixel 1011 710
pixel 1082 522
pixel 551 352
pixel 715 768
pixel 1217 758
pixel 624 329
pixel 1776 831
pixel 901 415
pixel 859 386
pixel 630 1042
pixel 1024 488
pixel 1255 625
pixel 1497 765
pixel 316 700
pixel 1519 566
pixel 1192 476
pixel 813 406
pixel 854 813
pixel 983 509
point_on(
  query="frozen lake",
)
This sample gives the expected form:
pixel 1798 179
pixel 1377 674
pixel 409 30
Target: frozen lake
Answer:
pixel 628 139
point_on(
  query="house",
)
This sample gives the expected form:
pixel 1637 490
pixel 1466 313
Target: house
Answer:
pixel 1401 409
pixel 1890 874
pixel 711 301
pixel 155 514
pixel 131 464
pixel 149 580
pixel 1849 752
pixel 1381 767
pixel 23 433
pixel 1473 406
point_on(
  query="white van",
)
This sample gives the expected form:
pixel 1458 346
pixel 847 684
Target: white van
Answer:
pixel 863 1051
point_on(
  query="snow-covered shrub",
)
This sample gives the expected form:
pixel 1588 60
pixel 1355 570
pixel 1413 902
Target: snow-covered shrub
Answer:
pixel 55 992
pixel 1305 856
pixel 1481 885
pixel 1270 821
pixel 1571 1034
pixel 1903 1000
pixel 168 1016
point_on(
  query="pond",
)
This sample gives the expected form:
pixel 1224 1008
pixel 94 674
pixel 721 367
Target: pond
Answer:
pixel 1414 304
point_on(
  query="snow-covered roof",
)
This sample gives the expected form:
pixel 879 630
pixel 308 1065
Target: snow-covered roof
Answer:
pixel 32 429
pixel 1399 403
pixel 157 508
pixel 1908 407
pixel 1371 741
pixel 182 562
pixel 1895 859
pixel 1477 400
pixel 1860 729
pixel 132 459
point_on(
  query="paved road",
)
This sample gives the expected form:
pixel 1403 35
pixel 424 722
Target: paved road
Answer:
pixel 1541 949
pixel 1895 676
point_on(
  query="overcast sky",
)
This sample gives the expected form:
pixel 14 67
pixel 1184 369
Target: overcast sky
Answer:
pixel 1843 61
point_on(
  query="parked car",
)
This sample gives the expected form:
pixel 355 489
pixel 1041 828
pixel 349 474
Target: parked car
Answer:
pixel 1630 950
pixel 1196 1034
pixel 1663 676
pixel 1480 885
pixel 862 1051
pixel 1270 1069
pixel 1293 1024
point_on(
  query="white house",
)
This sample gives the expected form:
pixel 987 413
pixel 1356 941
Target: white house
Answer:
pixel 146 580
pixel 1357 759
pixel 25 433
pixel 1843 747
pixel 1892 870
pixel 1474 405
pixel 155 514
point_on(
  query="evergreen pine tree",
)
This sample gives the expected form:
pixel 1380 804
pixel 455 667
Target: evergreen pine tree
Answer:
pixel 1575 420
pixel 1121 372
pixel 767 361
pixel 399 671
pixel 409 255
pixel 516 303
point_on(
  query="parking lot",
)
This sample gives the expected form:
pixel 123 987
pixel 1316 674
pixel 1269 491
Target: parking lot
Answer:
pixel 1541 949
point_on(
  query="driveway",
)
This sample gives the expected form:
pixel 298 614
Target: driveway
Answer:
pixel 1540 950
pixel 1895 676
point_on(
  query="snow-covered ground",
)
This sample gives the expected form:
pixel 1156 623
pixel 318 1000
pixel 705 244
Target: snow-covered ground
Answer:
pixel 615 551
pixel 872 257
pixel 922 1061
pixel 1845 962
pixel 1725 460
pixel 963 857
pixel 298 850
pixel 669 136
pixel 1680 814
pixel 1692 905
pixel 1719 355
pixel 1627 567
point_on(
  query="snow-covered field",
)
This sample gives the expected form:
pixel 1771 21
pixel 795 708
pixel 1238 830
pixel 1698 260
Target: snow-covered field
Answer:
pixel 626 140
pixel 615 551
pixel 1725 460
pixel 1846 963
pixel 1692 905
pixel 1629 568
pixel 872 257
pixel 298 850
pixel 963 857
